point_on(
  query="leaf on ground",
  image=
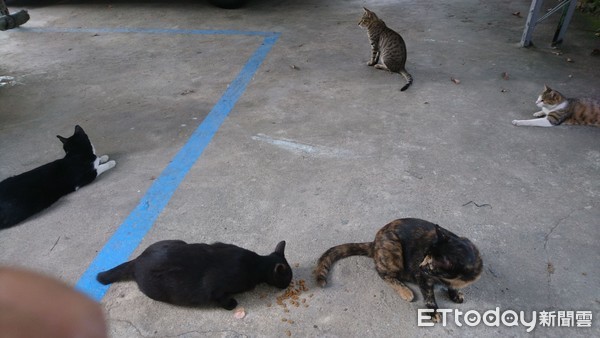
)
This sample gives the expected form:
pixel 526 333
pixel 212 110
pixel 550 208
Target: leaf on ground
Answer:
pixel 457 81
pixel 517 14
pixel 505 75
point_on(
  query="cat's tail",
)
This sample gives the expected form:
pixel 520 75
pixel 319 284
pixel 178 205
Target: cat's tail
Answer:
pixel 339 252
pixel 116 274
pixel 409 79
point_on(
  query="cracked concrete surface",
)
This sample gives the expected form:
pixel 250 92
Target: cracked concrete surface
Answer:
pixel 320 150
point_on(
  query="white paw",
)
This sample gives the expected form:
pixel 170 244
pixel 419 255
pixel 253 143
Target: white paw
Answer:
pixel 516 122
pixel 539 114
pixel 111 164
pixel 103 158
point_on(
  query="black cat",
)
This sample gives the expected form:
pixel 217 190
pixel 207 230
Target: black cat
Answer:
pixel 26 194
pixel 175 272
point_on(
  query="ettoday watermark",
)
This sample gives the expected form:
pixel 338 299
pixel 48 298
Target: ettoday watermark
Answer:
pixel 508 318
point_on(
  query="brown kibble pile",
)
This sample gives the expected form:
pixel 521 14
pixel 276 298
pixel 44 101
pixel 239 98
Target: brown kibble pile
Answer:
pixel 292 295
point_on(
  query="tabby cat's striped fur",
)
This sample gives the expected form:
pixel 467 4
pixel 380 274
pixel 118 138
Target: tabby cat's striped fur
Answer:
pixel 414 250
pixel 557 109
pixel 388 50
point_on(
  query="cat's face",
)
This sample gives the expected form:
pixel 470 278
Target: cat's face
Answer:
pixel 78 143
pixel 368 17
pixel 549 98
pixel 454 260
pixel 281 275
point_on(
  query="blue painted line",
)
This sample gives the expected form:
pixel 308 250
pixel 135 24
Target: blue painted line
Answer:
pixel 165 31
pixel 130 233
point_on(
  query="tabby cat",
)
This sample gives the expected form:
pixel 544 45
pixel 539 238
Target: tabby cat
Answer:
pixel 388 50
pixel 557 109
pixel 175 272
pixel 414 250
pixel 26 194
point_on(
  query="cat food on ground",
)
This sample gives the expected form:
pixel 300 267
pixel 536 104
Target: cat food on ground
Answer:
pixel 292 294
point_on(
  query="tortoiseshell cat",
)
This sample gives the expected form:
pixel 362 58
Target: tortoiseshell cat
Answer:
pixel 557 109
pixel 175 272
pixel 414 250
pixel 388 50
pixel 26 194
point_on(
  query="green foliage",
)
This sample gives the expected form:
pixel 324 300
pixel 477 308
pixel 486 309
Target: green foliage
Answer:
pixel 589 6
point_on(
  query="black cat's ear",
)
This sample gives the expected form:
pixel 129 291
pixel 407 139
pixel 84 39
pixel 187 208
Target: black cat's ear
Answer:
pixel 280 269
pixel 280 248
pixel 62 139
pixel 79 130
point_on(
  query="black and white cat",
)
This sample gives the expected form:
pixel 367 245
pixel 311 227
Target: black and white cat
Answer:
pixel 24 195
pixel 194 274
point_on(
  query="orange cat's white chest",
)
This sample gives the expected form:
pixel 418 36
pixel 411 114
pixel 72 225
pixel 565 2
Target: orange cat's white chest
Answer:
pixel 546 108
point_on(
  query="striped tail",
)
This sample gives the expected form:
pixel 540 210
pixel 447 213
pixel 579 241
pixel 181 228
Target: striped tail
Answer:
pixel 409 79
pixel 339 252
pixel 116 274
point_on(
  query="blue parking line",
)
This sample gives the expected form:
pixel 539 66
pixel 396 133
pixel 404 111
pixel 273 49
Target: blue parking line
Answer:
pixel 130 233
pixel 144 31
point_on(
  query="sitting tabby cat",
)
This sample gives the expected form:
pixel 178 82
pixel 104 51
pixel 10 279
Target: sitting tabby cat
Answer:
pixel 388 50
pixel 557 109
pixel 175 272
pixel 414 250
pixel 26 194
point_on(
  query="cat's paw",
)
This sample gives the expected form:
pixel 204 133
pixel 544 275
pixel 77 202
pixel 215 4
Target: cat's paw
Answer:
pixel 229 304
pixel 371 63
pixel 516 123
pixel 103 159
pixel 539 114
pixel 456 296
pixel 436 317
pixel 406 294
pixel 111 164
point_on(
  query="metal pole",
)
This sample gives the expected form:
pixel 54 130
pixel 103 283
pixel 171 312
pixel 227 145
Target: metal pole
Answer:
pixel 563 24
pixel 534 11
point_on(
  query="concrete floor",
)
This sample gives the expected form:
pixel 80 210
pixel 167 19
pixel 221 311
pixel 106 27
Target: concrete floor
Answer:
pixel 319 150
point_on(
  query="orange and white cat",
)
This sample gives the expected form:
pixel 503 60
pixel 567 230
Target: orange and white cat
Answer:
pixel 557 109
